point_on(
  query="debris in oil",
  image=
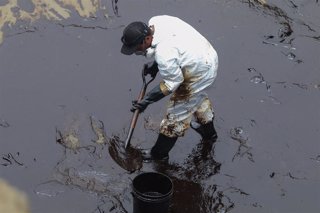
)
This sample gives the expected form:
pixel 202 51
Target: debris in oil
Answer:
pixel 290 175
pixel 12 11
pixel 115 7
pixel 98 128
pixel 238 135
pixel 9 159
pixel 68 140
pixel 317 158
pixel 272 174
pixel 129 159
pixel 71 137
pixel 4 123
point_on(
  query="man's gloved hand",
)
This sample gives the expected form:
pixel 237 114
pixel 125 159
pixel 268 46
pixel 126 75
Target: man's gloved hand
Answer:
pixel 154 95
pixel 151 68
pixel 141 106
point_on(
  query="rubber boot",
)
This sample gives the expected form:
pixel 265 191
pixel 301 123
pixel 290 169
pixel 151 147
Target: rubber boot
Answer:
pixel 207 131
pixel 161 149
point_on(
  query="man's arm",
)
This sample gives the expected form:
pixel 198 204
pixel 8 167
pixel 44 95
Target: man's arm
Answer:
pixel 153 96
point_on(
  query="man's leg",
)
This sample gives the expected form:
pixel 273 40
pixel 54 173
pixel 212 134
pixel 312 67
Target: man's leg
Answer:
pixel 170 130
pixel 161 149
pixel 204 125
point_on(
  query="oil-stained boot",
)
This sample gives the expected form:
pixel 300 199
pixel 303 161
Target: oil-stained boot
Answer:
pixel 161 149
pixel 207 131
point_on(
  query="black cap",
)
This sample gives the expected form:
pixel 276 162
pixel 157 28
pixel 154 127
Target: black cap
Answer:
pixel 132 36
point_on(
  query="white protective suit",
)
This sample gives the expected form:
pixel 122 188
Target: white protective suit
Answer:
pixel 188 64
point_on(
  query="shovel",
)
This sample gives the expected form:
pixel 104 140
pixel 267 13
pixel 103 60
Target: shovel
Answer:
pixel 136 112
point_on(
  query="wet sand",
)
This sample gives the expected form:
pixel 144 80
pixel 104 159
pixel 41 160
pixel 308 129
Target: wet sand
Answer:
pixel 58 74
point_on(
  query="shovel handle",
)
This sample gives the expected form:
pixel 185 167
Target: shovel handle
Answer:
pixel 136 112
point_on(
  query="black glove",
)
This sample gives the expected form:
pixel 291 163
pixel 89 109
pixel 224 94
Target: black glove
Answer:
pixel 154 95
pixel 151 68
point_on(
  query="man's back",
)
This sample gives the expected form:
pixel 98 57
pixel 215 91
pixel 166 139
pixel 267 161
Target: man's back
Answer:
pixel 179 46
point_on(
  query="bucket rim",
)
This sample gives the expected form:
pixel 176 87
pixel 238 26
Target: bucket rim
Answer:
pixel 150 196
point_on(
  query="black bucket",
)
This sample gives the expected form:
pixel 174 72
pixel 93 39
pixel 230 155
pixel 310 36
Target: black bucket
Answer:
pixel 152 193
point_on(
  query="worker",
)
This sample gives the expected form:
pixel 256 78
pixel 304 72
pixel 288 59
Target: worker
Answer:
pixel 187 64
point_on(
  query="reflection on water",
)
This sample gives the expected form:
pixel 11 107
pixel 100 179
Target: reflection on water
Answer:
pixel 91 180
pixel 190 197
pixel 50 188
pixel 84 167
pixel 77 136
pixel 14 10
pixel 192 192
